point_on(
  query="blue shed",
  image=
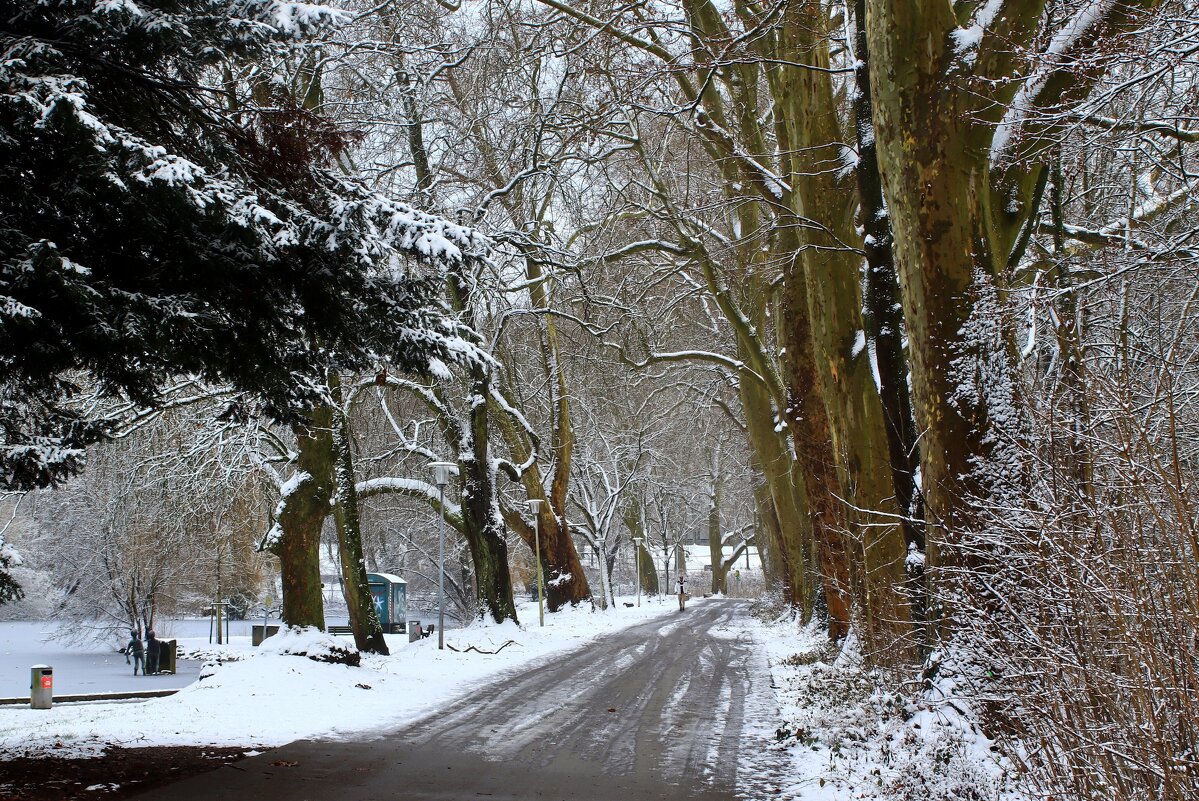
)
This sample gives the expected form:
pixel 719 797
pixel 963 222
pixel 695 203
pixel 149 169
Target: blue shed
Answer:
pixel 390 594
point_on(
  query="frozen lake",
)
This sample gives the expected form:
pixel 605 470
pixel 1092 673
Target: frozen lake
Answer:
pixel 95 666
pixel 84 667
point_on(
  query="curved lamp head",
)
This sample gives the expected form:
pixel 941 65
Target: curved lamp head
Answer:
pixel 442 472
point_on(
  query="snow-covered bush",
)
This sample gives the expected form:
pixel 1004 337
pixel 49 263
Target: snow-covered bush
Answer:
pixel 313 643
pixel 849 730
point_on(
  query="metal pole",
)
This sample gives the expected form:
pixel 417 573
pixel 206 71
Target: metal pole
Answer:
pixel 637 566
pixel 441 477
pixel 441 574
pixel 540 580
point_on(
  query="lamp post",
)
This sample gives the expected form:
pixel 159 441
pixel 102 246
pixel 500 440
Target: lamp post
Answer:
pixel 534 507
pixel 441 477
pixel 637 563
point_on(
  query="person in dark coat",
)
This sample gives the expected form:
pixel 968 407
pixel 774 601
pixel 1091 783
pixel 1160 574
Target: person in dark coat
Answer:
pixel 152 646
pixel 134 649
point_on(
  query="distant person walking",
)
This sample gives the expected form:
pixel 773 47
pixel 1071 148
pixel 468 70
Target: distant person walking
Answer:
pixel 135 649
pixel 682 592
pixel 152 647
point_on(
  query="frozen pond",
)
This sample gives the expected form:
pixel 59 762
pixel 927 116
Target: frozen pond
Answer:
pixel 85 667
pixel 95 666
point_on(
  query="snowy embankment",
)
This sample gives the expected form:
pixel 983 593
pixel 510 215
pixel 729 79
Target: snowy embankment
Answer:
pixel 839 734
pixel 260 698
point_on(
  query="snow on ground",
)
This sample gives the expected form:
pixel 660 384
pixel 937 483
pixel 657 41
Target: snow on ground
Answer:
pixel 837 733
pixel 260 699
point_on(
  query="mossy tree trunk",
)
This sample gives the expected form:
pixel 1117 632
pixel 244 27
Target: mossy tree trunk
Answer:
pixel 301 516
pixel 945 118
pixel 364 617
pixel 482 524
pixel 831 273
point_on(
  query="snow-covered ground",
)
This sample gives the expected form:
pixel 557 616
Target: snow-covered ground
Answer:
pixel 837 734
pixel 833 732
pixel 257 698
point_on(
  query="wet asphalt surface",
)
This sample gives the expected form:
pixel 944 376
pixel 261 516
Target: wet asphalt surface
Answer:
pixel 654 712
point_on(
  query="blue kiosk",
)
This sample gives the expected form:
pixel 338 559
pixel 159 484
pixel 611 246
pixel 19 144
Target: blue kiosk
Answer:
pixel 390 594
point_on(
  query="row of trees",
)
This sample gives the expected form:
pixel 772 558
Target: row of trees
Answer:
pixel 904 248
pixel 900 290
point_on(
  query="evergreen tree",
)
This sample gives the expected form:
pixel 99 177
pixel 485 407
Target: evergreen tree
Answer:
pixel 167 209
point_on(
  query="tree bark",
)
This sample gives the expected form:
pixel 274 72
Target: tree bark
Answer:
pixel 636 526
pixel 715 537
pixel 936 178
pixel 482 523
pixel 483 526
pixel 301 519
pixel 829 265
pixel 807 418
pixel 364 618
pixel 883 318
pixel 786 491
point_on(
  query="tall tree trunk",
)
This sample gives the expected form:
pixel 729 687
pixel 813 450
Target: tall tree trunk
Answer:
pixel 364 618
pixel 958 204
pixel 786 490
pixel 635 523
pixel 883 316
pixel 301 515
pixel 774 557
pixel 937 182
pixel 831 274
pixel 482 523
pixel 807 418
pixel 715 536
pixel 483 526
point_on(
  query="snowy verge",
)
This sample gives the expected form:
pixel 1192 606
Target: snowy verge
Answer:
pixel 840 732
pixel 268 698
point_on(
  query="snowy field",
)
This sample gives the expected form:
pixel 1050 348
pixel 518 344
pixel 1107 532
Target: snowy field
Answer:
pixel 255 698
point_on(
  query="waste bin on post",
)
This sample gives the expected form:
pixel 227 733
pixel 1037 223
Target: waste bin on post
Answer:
pixel 41 686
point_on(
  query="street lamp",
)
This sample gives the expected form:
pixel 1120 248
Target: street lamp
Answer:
pixel 441 477
pixel 534 507
pixel 637 562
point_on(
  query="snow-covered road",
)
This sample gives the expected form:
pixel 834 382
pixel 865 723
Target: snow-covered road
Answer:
pixel 657 711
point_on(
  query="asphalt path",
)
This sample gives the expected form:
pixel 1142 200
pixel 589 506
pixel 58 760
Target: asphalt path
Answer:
pixel 657 711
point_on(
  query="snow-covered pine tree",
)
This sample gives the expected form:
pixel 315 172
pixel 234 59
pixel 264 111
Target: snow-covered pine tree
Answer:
pixel 162 217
